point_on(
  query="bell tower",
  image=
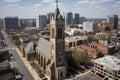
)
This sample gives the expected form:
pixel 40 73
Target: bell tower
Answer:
pixel 57 44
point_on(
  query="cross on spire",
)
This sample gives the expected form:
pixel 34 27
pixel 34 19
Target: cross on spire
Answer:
pixel 57 3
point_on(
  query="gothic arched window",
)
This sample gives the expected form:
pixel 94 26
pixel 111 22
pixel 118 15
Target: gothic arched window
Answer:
pixel 60 33
pixel 53 32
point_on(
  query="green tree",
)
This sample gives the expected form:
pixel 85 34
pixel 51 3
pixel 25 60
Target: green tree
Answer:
pixel 91 38
pixel 80 57
pixel 16 70
pixel 105 37
pixel 17 42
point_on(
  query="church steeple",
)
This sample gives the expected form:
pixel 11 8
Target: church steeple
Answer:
pixel 57 12
pixel 57 45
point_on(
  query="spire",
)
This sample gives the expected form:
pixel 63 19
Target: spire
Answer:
pixel 57 12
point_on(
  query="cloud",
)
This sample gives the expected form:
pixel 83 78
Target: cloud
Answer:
pixel 83 2
pixel 87 8
pixel 48 1
pixel 37 5
pixel 92 2
pixel 92 8
pixel 11 1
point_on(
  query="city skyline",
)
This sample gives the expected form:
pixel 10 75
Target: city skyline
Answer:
pixel 87 8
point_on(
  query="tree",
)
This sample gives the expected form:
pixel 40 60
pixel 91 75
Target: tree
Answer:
pixel 80 57
pixel 16 70
pixel 91 38
pixel 17 42
pixel 105 37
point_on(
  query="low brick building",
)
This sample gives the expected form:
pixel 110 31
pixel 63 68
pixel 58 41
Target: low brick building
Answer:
pixel 104 49
pixel 102 27
pixel 91 51
pixel 96 50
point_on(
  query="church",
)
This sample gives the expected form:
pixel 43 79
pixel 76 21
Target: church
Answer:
pixel 51 54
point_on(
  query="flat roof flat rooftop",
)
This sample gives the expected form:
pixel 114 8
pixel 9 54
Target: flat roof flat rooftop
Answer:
pixel 75 38
pixel 110 62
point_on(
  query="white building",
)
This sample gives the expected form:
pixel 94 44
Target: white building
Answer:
pixel 41 21
pixel 74 41
pixel 90 26
pixel 73 31
pixel 109 66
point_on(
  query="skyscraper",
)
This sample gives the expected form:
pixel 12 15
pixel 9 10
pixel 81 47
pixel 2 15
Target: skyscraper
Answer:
pixel 112 21
pixel 82 19
pixel 76 19
pixel 69 18
pixel 31 23
pixel 41 21
pixel 11 23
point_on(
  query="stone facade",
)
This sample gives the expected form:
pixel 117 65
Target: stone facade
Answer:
pixel 51 55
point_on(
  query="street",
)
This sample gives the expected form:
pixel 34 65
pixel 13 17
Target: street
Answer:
pixel 23 69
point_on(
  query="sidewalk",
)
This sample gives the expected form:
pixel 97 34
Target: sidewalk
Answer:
pixel 29 67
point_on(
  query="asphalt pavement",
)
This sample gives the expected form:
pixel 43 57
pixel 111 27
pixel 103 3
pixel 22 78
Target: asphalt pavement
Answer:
pixel 21 66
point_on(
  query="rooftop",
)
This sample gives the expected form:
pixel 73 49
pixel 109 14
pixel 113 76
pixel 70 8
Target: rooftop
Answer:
pixel 29 48
pixel 76 38
pixel 44 47
pixel 4 65
pixel 73 30
pixel 109 61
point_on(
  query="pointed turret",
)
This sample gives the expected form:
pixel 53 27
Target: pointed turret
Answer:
pixel 57 12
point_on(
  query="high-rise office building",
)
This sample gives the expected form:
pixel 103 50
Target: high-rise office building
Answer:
pixel 112 21
pixel 77 18
pixel 49 16
pixel 31 23
pixel 41 21
pixel 11 23
pixel 82 19
pixel 69 18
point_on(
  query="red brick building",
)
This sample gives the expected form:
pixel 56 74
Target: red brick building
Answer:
pixel 91 51
pixel 96 50
pixel 102 27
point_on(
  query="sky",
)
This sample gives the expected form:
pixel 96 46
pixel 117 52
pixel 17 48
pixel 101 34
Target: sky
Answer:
pixel 33 8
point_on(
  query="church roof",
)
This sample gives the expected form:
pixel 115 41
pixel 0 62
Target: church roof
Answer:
pixel 29 48
pixel 44 47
